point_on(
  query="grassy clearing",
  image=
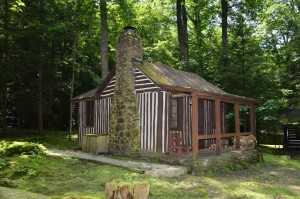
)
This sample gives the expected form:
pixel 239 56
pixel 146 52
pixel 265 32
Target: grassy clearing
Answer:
pixel 50 139
pixel 59 177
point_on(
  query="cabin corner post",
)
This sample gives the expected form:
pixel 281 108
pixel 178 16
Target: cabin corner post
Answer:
pixel 218 126
pixel 252 119
pixel 237 124
pixel 195 136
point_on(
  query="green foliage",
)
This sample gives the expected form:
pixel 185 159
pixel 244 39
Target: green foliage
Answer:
pixel 20 148
pixel 61 177
pixel 51 139
pixel 263 50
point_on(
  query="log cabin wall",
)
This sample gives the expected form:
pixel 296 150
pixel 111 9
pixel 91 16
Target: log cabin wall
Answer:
pixel 101 118
pixel 154 109
pixel 102 115
pixel 165 121
pixel 83 129
pixel 148 108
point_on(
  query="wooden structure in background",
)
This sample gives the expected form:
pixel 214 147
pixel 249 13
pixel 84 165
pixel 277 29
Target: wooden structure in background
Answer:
pixel 169 100
pixel 292 137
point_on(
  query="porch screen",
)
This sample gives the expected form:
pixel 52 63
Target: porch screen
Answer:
pixel 206 118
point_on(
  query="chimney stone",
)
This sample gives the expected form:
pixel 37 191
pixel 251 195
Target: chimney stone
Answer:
pixel 124 123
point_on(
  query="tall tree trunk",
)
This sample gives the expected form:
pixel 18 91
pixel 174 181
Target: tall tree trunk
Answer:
pixel 3 70
pixel 224 4
pixel 197 21
pixel 40 69
pixel 40 88
pixel 74 59
pixel 104 39
pixel 72 82
pixel 182 33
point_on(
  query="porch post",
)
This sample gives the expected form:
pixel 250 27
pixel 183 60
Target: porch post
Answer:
pixel 237 124
pixel 252 119
pixel 218 125
pixel 195 125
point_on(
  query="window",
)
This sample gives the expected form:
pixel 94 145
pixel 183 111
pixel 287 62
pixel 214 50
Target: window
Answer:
pixel 89 110
pixel 174 113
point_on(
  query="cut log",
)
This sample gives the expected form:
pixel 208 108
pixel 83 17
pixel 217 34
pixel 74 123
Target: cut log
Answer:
pixel 118 190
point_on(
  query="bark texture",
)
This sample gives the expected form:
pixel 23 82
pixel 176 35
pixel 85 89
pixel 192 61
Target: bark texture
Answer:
pixel 182 32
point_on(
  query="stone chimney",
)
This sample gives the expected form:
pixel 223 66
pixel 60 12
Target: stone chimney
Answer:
pixel 124 122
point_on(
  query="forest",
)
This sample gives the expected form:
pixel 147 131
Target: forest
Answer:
pixel 53 50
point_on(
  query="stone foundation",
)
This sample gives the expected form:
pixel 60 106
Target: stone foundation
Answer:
pixel 226 162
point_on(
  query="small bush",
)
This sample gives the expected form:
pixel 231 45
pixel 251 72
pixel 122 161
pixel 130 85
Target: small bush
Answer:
pixel 5 182
pixel 18 148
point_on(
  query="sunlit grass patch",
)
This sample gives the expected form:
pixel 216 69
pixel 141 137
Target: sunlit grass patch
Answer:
pixel 51 139
pixel 282 160
pixel 276 191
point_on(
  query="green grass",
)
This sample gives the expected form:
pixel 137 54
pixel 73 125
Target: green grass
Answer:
pixel 50 139
pixel 60 177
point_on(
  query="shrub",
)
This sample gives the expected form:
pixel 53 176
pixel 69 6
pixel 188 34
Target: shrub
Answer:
pixel 19 148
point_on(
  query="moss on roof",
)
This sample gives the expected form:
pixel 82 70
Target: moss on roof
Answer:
pixel 164 75
pixel 87 95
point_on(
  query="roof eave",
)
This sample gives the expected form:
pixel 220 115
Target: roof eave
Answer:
pixel 223 96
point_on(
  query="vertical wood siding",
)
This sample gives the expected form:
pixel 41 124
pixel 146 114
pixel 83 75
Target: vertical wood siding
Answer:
pixel 102 115
pixel 148 108
pixel 165 120
pixel 101 120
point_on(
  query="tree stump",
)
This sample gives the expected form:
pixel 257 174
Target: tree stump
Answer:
pixel 117 190
pixel 248 142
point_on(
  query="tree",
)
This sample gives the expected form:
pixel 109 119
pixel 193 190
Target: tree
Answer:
pixel 225 61
pixel 41 65
pixel 3 67
pixel 104 39
pixel 182 33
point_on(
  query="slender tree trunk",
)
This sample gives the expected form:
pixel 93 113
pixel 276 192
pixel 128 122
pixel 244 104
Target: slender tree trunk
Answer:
pixel 182 33
pixel 3 70
pixel 224 4
pixel 197 21
pixel 40 87
pixel 104 39
pixel 73 65
pixel 72 83
pixel 40 71
pixel 243 47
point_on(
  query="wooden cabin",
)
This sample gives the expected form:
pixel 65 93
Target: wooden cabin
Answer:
pixel 168 100
pixel 171 100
